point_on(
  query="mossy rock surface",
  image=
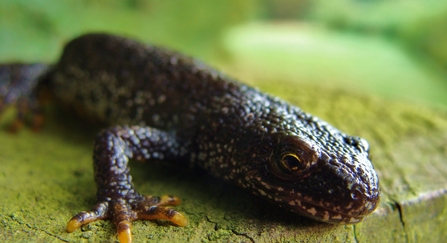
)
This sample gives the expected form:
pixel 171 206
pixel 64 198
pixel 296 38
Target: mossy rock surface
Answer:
pixel 46 177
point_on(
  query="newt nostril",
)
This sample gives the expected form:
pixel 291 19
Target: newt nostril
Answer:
pixel 357 193
pixel 359 143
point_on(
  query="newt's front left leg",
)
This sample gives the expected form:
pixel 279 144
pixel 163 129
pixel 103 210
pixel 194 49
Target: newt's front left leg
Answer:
pixel 116 197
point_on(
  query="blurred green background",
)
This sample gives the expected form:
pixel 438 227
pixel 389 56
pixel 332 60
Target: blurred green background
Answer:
pixel 392 49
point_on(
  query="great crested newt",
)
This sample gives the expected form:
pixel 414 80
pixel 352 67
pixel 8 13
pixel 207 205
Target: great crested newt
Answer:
pixel 162 105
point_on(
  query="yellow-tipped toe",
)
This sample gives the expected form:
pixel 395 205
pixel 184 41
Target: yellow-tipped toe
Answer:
pixel 179 220
pixel 124 232
pixel 169 200
pixel 73 225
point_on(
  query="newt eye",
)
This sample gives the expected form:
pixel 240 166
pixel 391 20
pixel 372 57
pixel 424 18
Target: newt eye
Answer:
pixel 291 163
pixel 292 159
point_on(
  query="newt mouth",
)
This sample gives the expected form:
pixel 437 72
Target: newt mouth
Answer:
pixel 334 202
pixel 332 215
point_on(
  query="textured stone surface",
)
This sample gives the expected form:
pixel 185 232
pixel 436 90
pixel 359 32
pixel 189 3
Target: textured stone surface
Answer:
pixel 47 177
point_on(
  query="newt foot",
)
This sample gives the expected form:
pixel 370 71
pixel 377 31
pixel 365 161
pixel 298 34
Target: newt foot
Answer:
pixel 123 211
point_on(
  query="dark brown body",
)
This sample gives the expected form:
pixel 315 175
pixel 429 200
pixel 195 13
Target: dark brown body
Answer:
pixel 187 112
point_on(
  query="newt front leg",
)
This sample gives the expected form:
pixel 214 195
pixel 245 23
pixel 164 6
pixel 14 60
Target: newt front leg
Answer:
pixel 117 198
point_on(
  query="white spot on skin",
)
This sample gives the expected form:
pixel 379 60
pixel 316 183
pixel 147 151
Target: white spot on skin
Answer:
pixel 173 60
pixel 266 186
pixel 337 217
pixel 161 99
pixel 353 220
pixel 349 206
pixel 312 211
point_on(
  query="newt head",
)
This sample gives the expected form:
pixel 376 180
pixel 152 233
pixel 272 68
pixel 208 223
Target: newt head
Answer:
pixel 332 181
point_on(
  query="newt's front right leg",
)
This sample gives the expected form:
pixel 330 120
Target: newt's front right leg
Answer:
pixel 116 197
